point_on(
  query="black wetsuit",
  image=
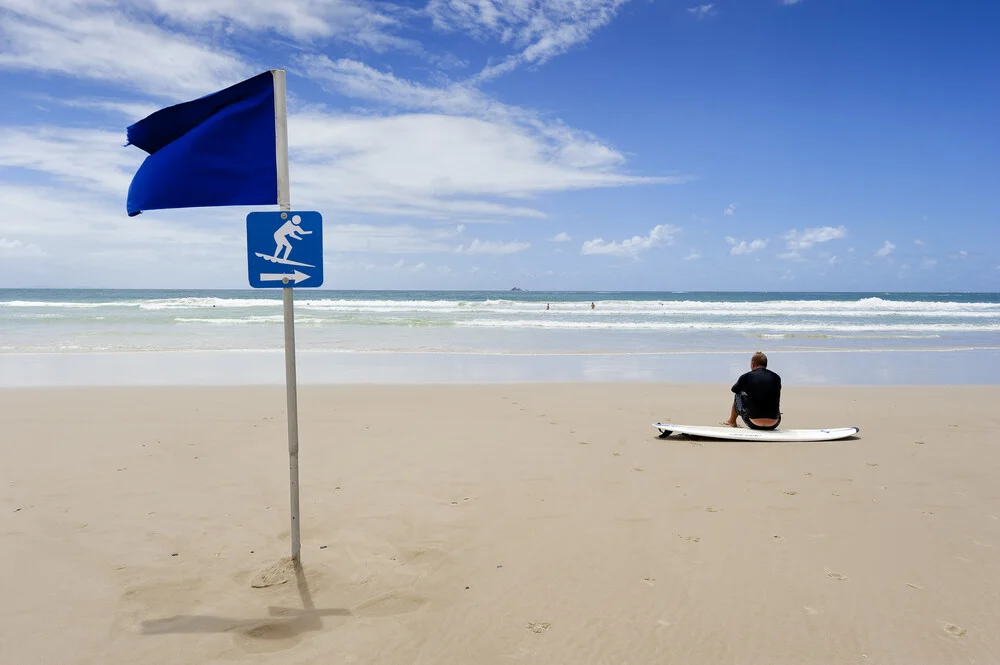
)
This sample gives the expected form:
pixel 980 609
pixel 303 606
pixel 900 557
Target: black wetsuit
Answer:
pixel 758 395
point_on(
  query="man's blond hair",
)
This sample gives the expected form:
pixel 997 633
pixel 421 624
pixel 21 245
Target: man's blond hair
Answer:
pixel 759 359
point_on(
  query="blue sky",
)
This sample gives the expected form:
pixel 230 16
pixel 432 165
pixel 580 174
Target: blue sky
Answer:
pixel 481 144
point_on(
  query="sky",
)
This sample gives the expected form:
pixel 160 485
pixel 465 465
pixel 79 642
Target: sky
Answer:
pixel 786 145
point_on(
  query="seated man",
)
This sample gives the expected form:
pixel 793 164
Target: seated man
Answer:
pixel 758 393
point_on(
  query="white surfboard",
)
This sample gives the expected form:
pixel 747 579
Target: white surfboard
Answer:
pixel 746 434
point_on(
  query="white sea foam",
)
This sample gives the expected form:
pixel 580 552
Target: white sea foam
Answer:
pixel 738 326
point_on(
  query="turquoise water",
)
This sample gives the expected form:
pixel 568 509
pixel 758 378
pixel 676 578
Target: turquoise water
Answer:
pixel 80 337
pixel 81 321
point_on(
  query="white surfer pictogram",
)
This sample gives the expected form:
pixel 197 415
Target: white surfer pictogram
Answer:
pixel 288 231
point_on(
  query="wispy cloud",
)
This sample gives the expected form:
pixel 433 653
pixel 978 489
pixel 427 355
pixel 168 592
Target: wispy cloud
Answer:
pixel 738 247
pixel 701 11
pixel 390 239
pixel 918 241
pixel 886 249
pixel 692 255
pixel 662 234
pixel 927 264
pixel 91 40
pixel 731 209
pixel 561 237
pixel 538 29
pixel 796 239
pixel 395 162
pixel 492 247
pixel 16 249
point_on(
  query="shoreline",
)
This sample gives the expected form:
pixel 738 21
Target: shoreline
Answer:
pixel 235 368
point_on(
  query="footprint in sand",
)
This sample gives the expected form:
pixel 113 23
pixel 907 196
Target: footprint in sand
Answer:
pixel 791 492
pixel 713 509
pixel 649 580
pixel 837 576
pixel 812 611
pixel 693 539
pixel 539 627
pixel 955 631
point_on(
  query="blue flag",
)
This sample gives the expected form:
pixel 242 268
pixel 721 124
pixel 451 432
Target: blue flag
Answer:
pixel 218 150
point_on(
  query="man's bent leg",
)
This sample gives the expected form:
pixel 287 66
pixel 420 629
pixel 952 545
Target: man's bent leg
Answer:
pixel 733 415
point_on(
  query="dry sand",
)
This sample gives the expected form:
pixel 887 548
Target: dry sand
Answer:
pixel 490 524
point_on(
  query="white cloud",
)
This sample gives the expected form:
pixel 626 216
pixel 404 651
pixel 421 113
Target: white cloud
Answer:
pixel 693 255
pixel 700 12
pixel 662 234
pixel 833 260
pixel 538 29
pixel 353 21
pixel 809 237
pixel 93 159
pixel 101 40
pixel 389 239
pixel 567 146
pixel 90 39
pixel 561 237
pixel 491 247
pixel 395 164
pixel 962 254
pixel 918 241
pixel 17 249
pixel 886 249
pixel 731 209
pixel 928 264
pixel 743 247
pixel 788 256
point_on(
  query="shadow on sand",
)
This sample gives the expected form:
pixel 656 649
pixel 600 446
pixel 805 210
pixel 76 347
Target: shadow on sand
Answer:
pixel 281 622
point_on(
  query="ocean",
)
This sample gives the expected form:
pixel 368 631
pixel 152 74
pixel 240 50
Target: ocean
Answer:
pixel 450 324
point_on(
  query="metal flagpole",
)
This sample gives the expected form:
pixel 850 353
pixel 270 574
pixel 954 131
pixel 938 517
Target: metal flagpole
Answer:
pixel 291 388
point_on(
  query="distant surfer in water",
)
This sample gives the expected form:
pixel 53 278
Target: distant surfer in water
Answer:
pixel 289 229
pixel 758 393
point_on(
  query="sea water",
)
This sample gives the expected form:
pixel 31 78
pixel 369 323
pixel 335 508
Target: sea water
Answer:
pixel 93 336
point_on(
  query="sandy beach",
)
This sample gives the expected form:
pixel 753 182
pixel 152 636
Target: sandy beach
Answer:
pixel 538 523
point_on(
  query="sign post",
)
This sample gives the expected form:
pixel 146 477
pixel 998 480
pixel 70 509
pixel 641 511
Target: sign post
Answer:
pixel 271 239
pixel 285 250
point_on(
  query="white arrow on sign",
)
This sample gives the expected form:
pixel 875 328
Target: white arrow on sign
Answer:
pixel 297 276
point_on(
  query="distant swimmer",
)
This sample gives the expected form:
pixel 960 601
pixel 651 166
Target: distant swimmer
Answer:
pixel 758 393
pixel 546 308
pixel 288 230
pixel 593 306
